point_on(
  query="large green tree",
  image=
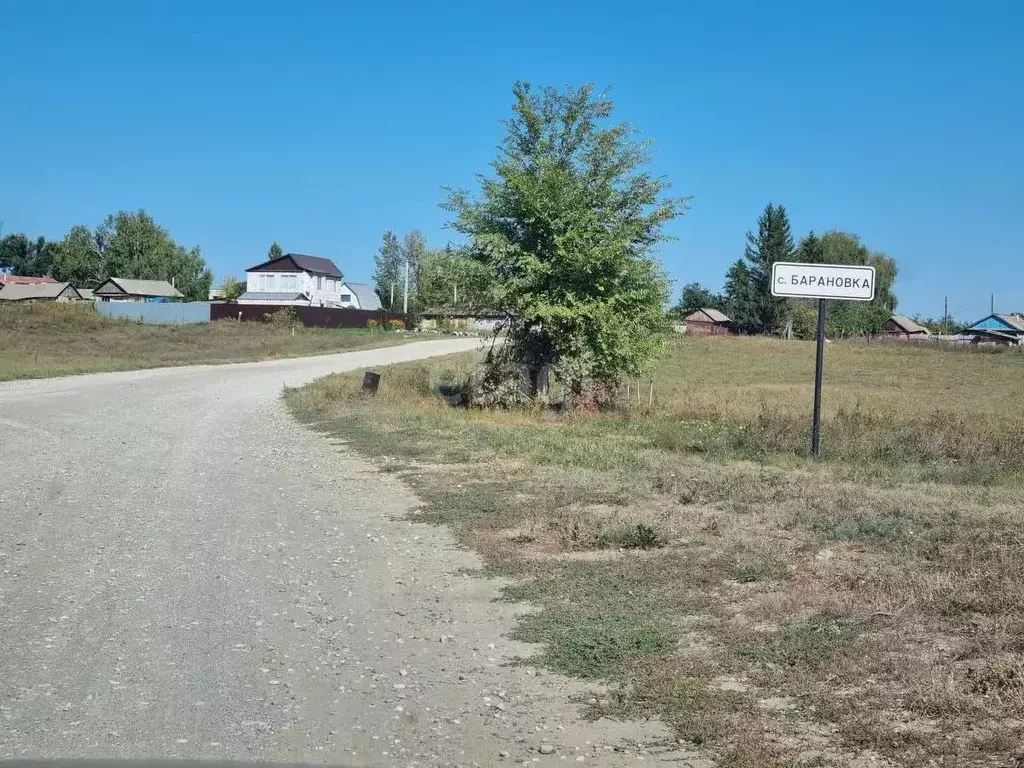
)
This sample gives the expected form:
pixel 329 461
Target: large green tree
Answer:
pixel 275 251
pixel 132 245
pixel 695 296
pixel 846 318
pixel 741 303
pixel 757 311
pixel 20 255
pixel 387 271
pixel 566 226
pixel 450 277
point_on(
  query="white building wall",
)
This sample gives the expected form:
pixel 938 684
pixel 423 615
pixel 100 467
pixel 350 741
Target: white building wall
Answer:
pixel 322 290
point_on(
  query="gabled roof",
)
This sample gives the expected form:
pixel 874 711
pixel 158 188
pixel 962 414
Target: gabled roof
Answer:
pixel 24 280
pixel 1009 321
pixel 318 265
pixel 365 295
pixel 27 291
pixel 908 325
pixel 710 314
pixel 117 286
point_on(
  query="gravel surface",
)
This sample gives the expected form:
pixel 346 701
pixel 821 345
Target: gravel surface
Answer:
pixel 186 572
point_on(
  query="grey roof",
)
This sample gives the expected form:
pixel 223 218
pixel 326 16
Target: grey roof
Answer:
pixel 365 295
pixel 27 291
pixel 908 325
pixel 258 296
pixel 1014 319
pixel 714 314
pixel 86 293
pixel 316 264
pixel 140 288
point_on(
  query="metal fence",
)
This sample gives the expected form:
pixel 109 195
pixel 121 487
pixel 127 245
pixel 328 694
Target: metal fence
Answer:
pixel 169 313
pixel 314 317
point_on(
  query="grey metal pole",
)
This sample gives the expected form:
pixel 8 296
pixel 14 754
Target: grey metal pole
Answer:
pixel 818 367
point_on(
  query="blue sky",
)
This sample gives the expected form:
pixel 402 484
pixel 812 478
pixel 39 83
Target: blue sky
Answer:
pixel 321 125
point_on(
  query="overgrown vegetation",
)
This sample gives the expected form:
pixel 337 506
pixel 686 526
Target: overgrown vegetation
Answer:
pixel 38 340
pixel 776 610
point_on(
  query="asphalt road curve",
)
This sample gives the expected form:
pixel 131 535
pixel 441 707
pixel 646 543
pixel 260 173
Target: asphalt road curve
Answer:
pixel 185 572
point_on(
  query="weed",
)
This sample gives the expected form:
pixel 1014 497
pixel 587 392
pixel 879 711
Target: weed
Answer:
pixel 590 646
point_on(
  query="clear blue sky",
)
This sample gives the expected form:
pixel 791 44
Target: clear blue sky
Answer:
pixel 323 124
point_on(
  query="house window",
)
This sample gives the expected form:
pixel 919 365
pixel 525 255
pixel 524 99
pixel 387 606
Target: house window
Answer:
pixel 346 298
pixel 319 282
pixel 267 283
pixel 289 283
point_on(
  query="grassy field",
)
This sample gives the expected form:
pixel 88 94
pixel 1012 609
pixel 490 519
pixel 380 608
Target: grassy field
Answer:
pixel 38 340
pixel 865 609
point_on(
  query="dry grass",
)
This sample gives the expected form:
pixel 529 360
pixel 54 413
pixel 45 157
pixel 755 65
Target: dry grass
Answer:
pixel 47 339
pixel 778 611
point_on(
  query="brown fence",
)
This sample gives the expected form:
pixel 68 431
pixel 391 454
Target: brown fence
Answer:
pixel 313 317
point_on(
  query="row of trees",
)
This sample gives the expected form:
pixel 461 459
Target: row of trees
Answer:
pixel 446 277
pixel 747 298
pixel 126 244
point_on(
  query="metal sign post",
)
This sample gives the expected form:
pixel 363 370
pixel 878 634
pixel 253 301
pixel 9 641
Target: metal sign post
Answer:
pixel 822 281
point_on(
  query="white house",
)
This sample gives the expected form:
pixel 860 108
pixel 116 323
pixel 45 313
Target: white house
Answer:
pixel 359 296
pixel 294 279
pixel 297 279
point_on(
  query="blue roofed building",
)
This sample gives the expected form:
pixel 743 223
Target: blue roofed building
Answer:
pixel 998 328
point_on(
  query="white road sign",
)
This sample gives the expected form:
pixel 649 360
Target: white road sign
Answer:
pixel 823 281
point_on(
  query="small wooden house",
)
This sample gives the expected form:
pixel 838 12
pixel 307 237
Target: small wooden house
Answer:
pixel 707 322
pixel 39 292
pixel 1000 328
pixel 902 327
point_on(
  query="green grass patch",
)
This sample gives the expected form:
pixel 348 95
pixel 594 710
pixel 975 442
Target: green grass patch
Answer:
pixel 590 646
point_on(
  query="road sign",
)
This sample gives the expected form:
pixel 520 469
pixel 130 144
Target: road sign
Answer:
pixel 823 281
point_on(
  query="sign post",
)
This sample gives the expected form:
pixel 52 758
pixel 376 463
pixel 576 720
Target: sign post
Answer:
pixel 822 281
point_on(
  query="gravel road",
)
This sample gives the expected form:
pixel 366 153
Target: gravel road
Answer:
pixel 186 572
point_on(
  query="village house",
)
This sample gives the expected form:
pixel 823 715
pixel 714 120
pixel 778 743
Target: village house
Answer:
pixel 137 291
pixel 297 279
pixel 998 328
pixel 51 291
pixel 707 322
pixel 902 327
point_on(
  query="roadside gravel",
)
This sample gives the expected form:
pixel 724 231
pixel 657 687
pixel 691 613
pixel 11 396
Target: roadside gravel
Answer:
pixel 186 572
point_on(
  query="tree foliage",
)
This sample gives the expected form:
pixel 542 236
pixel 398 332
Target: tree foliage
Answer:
pixel 695 296
pixel 275 251
pixel 450 277
pixel 21 256
pixel 387 271
pixel 752 307
pixel 566 225
pixel 845 318
pixel 232 288
pixel 132 245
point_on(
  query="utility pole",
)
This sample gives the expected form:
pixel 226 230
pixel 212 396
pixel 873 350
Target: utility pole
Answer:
pixel 391 304
pixel 991 303
pixel 405 301
pixel 455 295
pixel 945 314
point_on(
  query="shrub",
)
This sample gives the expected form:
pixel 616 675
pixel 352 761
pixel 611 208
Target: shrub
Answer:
pixel 285 317
pixel 395 324
pixel 372 323
pixel 637 536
